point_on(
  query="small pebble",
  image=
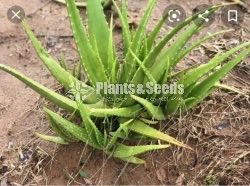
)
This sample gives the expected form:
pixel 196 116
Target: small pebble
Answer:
pixel 221 126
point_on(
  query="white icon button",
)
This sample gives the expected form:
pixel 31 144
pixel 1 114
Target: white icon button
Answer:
pixel 16 14
pixel 202 16
pixel 205 16
pixel 232 15
pixel 174 15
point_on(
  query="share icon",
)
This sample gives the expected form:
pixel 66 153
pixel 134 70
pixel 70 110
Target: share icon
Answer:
pixel 205 16
pixel 202 16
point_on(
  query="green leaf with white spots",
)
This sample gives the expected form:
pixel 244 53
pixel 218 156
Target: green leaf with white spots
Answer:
pixel 62 76
pixel 168 57
pixel 130 65
pixel 126 35
pixel 195 74
pixel 145 130
pixel 53 139
pixel 127 112
pixel 147 73
pixel 57 99
pixel 92 131
pixel 154 111
pixel 197 43
pixel 124 151
pixel 60 131
pixel 157 49
pixel 72 129
pixel 116 134
pixel 151 39
pixel 99 32
pixel 202 89
pixel 88 58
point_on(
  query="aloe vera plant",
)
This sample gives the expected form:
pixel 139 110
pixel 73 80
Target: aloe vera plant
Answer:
pixel 127 116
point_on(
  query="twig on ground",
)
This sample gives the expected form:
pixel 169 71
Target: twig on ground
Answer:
pixel 232 89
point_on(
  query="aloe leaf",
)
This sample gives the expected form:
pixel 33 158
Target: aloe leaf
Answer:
pixel 65 78
pixel 229 88
pixel 152 36
pixel 129 67
pixel 111 55
pixel 183 38
pixel 124 151
pixel 202 90
pixel 59 131
pixel 52 139
pixel 127 112
pixel 173 104
pixel 194 75
pixel 141 28
pixel 74 130
pixel 99 33
pixel 116 134
pixel 92 131
pixel 125 26
pixel 122 135
pixel 187 90
pixel 62 76
pixel 168 57
pixel 150 122
pixel 77 72
pixel 127 136
pixel 145 130
pixel 89 60
pixel 59 100
pixel 143 49
pixel 50 95
pixel 175 100
pixel 158 71
pixel 197 43
pixel 144 69
pixel 156 50
pixel 62 62
pixel 154 111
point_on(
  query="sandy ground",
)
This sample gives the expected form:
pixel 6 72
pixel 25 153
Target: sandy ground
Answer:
pixel 21 115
